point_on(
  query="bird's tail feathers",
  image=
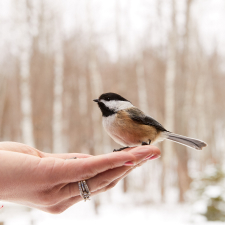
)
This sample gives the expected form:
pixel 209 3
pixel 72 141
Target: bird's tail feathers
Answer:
pixel 187 141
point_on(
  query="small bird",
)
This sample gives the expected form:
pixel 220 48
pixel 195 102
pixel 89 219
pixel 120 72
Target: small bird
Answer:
pixel 129 126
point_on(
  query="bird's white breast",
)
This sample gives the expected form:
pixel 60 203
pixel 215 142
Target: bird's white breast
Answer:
pixel 108 124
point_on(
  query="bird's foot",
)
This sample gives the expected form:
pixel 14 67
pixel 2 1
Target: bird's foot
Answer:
pixel 120 149
pixel 145 143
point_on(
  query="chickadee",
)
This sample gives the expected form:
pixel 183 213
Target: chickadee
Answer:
pixel 129 126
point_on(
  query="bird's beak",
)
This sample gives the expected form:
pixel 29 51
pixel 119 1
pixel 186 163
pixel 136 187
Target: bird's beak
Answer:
pixel 96 100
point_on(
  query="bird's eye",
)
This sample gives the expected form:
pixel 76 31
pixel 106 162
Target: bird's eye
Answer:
pixel 108 99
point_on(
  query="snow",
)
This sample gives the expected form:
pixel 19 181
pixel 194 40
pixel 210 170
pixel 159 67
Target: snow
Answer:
pixel 210 171
pixel 108 213
pixel 200 206
pixel 117 207
pixel 113 210
pixel 213 191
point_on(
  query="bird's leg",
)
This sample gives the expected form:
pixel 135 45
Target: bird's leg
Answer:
pixel 145 143
pixel 120 149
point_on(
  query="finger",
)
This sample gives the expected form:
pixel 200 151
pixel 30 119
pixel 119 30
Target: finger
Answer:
pixel 122 172
pixel 65 204
pixel 124 175
pixel 99 181
pixel 67 155
pixel 82 169
pixel 104 179
pixel 111 185
pixel 154 149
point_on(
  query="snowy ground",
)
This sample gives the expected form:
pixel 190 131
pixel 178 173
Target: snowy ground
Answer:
pixel 109 213
pixel 116 208
pixel 114 214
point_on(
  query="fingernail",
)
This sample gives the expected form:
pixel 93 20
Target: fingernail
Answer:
pixel 129 163
pixel 148 157
pixel 154 157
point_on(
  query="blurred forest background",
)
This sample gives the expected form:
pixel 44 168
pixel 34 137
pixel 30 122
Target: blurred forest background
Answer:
pixel 57 56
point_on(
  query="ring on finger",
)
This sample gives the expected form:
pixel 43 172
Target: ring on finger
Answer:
pixel 84 190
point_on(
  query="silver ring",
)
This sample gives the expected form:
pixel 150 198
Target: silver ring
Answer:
pixel 84 190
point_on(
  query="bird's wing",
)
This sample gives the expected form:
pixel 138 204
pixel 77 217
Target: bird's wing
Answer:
pixel 138 116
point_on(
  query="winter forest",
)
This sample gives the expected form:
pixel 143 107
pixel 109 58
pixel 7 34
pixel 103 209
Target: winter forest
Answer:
pixel 57 56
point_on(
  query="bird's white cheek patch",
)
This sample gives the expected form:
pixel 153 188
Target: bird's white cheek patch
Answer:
pixel 117 105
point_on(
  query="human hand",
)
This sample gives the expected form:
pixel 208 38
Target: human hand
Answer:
pixel 50 183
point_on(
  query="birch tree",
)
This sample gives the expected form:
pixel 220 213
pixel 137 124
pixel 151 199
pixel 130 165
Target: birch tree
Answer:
pixel 120 75
pixel 96 84
pixel 3 82
pixel 100 138
pixel 200 99
pixel 3 86
pixel 185 82
pixel 23 15
pixel 141 84
pixel 96 91
pixel 58 92
pixel 170 95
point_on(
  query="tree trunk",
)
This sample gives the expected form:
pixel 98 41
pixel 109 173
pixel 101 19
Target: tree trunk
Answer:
pixel 141 83
pixel 26 103
pixel 169 99
pixel 120 75
pixel 184 108
pixel 3 86
pixel 58 92
pixel 96 91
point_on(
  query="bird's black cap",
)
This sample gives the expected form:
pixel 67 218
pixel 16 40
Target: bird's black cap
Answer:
pixel 112 96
